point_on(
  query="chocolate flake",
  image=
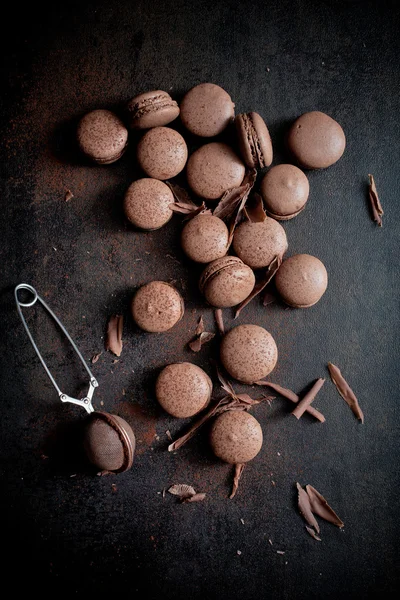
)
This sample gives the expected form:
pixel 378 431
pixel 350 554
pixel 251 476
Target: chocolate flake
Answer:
pixel 198 497
pixel 183 202
pixel 238 473
pixel 280 552
pixel 345 391
pixel 68 196
pixel 95 357
pixel 114 334
pixel 313 534
pixel 308 398
pixel 201 337
pixel 168 434
pixel 254 211
pixel 269 298
pixel 219 319
pixel 187 436
pixel 182 490
pixel 114 487
pixel 260 285
pixel 289 395
pixel 320 507
pixel 305 508
pixel 376 207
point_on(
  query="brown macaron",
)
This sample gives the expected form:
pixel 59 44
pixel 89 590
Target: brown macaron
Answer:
pixel 205 238
pixel 183 389
pixel 248 353
pixel 207 109
pixel 301 280
pixel 254 140
pixel 109 442
pixel 285 191
pixel 152 109
pixel 157 306
pixel 236 437
pixel 162 153
pixel 257 243
pixel 226 282
pixel 213 169
pixel 147 203
pixel 102 136
pixel 316 140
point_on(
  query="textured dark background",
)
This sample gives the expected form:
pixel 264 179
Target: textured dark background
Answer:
pixel 63 528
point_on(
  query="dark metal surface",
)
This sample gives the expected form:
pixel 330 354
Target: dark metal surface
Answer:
pixel 63 528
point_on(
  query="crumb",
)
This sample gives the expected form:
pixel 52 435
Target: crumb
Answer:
pixel 68 196
pixel 114 487
pixel 242 521
pixel 278 453
pixel 238 552
pixel 270 541
pixel 101 402
pixel 74 475
pixel 280 552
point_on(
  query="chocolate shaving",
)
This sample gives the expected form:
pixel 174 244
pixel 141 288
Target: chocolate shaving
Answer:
pixel 260 285
pixel 198 497
pixel 238 473
pixel 68 196
pixel 269 298
pixel 114 334
pixel 201 337
pixel 320 507
pixel 183 202
pixel 289 395
pixel 181 195
pixel 308 398
pixel 219 319
pixel 182 490
pixel 305 508
pixel 254 210
pixel 95 357
pixel 345 391
pixel 313 534
pixel 376 207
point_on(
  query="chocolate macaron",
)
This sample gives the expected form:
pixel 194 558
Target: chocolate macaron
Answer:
pixel 162 153
pixel 301 280
pixel 102 136
pixel 147 203
pixel 236 437
pixel 152 109
pixel 248 353
pixel 254 140
pixel 316 140
pixel 213 169
pixel 205 238
pixel 109 442
pixel 157 306
pixel 183 389
pixel 207 109
pixel 285 191
pixel 226 282
pixel 257 243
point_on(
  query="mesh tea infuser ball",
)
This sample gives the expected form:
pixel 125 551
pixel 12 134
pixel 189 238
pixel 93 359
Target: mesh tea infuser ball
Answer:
pixel 109 440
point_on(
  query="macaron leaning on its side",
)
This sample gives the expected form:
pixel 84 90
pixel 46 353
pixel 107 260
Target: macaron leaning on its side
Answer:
pixel 152 109
pixel 183 389
pixel 226 282
pixel 207 109
pixel 102 136
pixel 157 307
pixel 147 203
pixel 254 140
pixel 301 280
pixel 285 190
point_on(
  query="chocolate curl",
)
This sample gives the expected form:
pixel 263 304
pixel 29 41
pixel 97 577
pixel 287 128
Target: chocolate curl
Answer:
pixel 376 207
pixel 113 340
pixel 308 398
pixel 183 202
pixel 258 288
pixel 305 508
pixel 238 473
pixel 201 337
pixel 289 395
pixel 313 534
pixel 254 211
pixel 345 391
pixel 320 507
pixel 219 320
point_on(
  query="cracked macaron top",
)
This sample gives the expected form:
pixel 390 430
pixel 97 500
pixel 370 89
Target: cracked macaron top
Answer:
pixel 157 306
pixel 152 109
pixel 102 136
pixel 226 282
pixel 254 140
pixel 183 389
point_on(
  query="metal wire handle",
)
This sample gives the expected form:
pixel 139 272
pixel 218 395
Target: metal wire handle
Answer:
pixel 85 402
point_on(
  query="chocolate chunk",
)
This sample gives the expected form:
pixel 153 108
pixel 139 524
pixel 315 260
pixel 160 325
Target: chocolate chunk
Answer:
pixel 308 398
pixel 320 507
pixel 238 473
pixel 114 334
pixel 305 508
pixel 262 283
pixel 376 207
pixel 345 391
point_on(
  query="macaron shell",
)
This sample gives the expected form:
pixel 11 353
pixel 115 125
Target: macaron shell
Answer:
pixel 213 169
pixel 206 110
pixel 205 238
pixel 146 203
pixel 152 109
pixel 248 353
pixel 301 280
pixel 109 442
pixel 162 153
pixel 157 307
pixel 285 190
pixel 236 437
pixel 102 136
pixel 183 389
pixel 316 140
pixel 256 244
pixel 229 284
pixel 254 140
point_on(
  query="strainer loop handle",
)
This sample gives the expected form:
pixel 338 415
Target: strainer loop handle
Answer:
pixel 86 402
